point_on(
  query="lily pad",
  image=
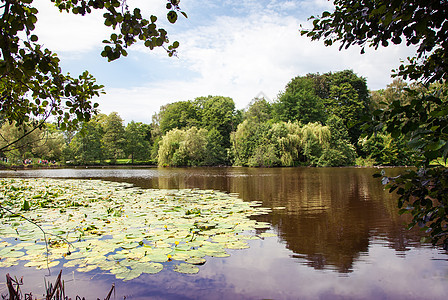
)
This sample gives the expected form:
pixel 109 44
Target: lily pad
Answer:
pixel 186 268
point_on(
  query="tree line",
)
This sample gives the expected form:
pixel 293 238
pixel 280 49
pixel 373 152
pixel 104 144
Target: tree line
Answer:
pixel 313 122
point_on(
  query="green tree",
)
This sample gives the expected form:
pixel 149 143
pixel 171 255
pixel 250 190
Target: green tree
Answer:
pixel 183 147
pixel 315 139
pixel 245 139
pixel 259 110
pixel 424 24
pixel 340 152
pixel 86 144
pixel 137 140
pixel 180 115
pixel 52 146
pixel 27 140
pixel 300 102
pixel 113 139
pixel 218 112
pixel 32 85
pixel 345 95
pixel 216 154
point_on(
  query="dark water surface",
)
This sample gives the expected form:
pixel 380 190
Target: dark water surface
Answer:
pixel 338 237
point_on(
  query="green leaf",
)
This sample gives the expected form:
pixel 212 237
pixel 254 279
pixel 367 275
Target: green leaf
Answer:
pixel 186 268
pixel 172 16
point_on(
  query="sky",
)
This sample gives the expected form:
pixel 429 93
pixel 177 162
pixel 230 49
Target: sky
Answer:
pixel 232 48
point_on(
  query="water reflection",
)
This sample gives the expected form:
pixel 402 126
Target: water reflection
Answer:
pixel 336 219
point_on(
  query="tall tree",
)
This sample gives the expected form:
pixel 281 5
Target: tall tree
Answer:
pixel 218 112
pixel 259 110
pixel 113 139
pixel 180 115
pixel 300 102
pixel 137 144
pixel 86 144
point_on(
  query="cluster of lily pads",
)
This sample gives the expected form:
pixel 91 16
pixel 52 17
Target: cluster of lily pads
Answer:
pixel 119 228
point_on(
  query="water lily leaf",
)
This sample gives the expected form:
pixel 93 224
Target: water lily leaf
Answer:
pixel 151 268
pixel 180 256
pixel 186 268
pixel 237 245
pixel 8 262
pixel 13 254
pixel 87 268
pixel 195 260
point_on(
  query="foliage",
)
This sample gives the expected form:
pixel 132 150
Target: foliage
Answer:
pixel 218 112
pixel 86 145
pixel 340 151
pixel 27 140
pixel 386 150
pixel 183 147
pixel 315 138
pixel 32 85
pixel 137 144
pixel 113 139
pixel 180 115
pixel 315 98
pixel 216 154
pixel 245 139
pixel 259 110
pixel 287 144
pixel 264 156
pixel 424 117
pixel 299 102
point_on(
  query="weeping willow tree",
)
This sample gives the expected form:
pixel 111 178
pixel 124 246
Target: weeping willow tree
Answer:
pixel 280 144
pixel 183 147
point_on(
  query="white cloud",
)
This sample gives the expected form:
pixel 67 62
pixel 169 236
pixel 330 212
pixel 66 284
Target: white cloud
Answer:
pixel 67 33
pixel 72 35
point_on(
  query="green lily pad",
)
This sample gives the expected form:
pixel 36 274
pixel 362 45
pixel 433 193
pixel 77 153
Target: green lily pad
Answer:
pixel 186 268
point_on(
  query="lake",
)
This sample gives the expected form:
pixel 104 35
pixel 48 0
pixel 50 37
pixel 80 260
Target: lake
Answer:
pixel 338 236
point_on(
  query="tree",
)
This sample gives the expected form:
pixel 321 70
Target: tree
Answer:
pixel 218 112
pixel 422 193
pixel 52 146
pixel 27 141
pixel 113 139
pixel 32 85
pixel 340 152
pixel 180 115
pixel 183 147
pixel 137 136
pixel 216 154
pixel 86 144
pixel 317 97
pixel 299 102
pixel 259 110
pixel 345 95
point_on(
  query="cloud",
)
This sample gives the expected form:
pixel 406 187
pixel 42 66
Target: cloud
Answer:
pixel 73 35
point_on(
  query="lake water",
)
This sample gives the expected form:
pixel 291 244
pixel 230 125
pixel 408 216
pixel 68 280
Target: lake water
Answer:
pixel 339 236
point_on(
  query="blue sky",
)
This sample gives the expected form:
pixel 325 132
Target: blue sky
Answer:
pixel 231 48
